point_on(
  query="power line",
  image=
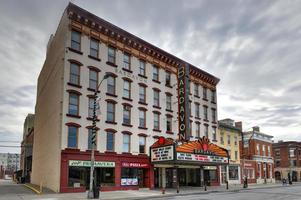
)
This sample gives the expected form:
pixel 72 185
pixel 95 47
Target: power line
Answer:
pixel 9 141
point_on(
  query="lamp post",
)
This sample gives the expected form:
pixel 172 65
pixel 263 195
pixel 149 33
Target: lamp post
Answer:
pixel 290 177
pixel 92 185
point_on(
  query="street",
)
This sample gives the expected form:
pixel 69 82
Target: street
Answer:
pixel 13 191
pixel 291 193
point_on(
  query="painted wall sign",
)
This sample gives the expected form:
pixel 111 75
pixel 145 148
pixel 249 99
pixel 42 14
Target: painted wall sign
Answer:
pixel 130 75
pixel 183 102
pixel 84 163
pixel 162 153
pixel 134 165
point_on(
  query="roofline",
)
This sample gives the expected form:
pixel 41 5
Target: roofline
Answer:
pixel 73 7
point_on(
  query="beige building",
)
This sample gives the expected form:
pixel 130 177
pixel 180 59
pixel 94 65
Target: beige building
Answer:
pixel 138 104
pixel 229 136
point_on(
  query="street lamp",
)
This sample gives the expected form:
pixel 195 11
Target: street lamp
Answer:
pixel 92 185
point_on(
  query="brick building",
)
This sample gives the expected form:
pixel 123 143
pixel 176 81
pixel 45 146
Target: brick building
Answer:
pixel 287 160
pixel 138 104
pixel 257 160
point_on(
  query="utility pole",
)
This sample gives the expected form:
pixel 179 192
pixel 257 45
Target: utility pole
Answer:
pixel 92 185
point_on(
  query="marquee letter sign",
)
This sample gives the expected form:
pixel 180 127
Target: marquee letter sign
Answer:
pixel 183 102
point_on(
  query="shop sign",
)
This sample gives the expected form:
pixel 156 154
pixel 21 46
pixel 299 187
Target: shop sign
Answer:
pixel 162 153
pixel 183 101
pixel 134 165
pixel 129 181
pixel 210 167
pixel 84 163
pixel 201 158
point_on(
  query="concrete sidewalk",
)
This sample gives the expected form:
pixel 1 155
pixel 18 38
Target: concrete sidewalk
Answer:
pixel 152 194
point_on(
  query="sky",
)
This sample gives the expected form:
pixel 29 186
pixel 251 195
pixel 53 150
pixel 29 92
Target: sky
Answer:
pixel 253 46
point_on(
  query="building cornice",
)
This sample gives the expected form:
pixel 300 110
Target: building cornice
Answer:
pixel 97 27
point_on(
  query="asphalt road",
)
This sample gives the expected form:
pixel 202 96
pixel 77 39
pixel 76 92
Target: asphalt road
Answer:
pixel 9 189
pixel 283 193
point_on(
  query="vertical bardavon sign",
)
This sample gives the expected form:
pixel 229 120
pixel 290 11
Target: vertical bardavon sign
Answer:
pixel 183 101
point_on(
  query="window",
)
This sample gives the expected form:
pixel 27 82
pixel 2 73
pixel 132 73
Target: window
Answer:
pixel 126 114
pixel 110 141
pixel 169 123
pixel 196 89
pixel 126 89
pixel 204 93
pixel 277 152
pixel 75 40
pixel 142 67
pixel 269 151
pixel 73 104
pixel 197 110
pixel 277 163
pixel 111 55
pixel 206 131
pixel 168 102
pixel 213 96
pixel 167 78
pixel 258 170
pixel 213 115
pixel 94 47
pixel 127 61
pixel 213 133
pixel 235 140
pixel 90 107
pixel 126 143
pixel 111 85
pixel 142 94
pixel 228 139
pixel 141 144
pixel 205 112
pixel 197 125
pixel 292 153
pixel 74 74
pixel 263 150
pixel 93 79
pixel 72 136
pixel 90 133
pixel 236 155
pixel 156 121
pixel 222 138
pixel 157 98
pixel 155 73
pixel 233 172
pixel 257 149
pixel 142 120
pixel 110 112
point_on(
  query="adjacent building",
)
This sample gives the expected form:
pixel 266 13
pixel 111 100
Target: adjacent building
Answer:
pixel 257 160
pixel 138 104
pixel 287 156
pixel 10 162
pixel 26 147
pixel 229 137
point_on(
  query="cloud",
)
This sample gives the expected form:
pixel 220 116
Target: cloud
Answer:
pixel 253 47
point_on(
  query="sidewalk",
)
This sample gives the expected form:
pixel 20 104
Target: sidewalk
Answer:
pixel 151 194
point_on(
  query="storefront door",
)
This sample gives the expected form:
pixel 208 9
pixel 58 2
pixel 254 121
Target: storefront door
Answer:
pixel 141 176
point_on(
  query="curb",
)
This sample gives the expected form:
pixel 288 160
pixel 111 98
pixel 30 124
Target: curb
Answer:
pixel 200 193
pixel 33 189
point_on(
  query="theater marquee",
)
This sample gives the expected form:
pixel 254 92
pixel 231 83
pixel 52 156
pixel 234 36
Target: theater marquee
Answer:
pixel 200 152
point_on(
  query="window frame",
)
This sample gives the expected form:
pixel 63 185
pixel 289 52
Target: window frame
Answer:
pixel 77 105
pixel 144 145
pixel 95 81
pixel 73 41
pixel 167 78
pixel 142 63
pixel 156 122
pixel 168 120
pixel 156 100
pixel 168 101
pixel 112 58
pixel 76 137
pixel 111 86
pixel 93 49
pixel 113 140
pixel 156 73
pixel 71 74
pixel 112 113
pixel 129 61
pixel 144 93
pixel 144 118
pixel 129 143
pixel 126 108
pixel 128 90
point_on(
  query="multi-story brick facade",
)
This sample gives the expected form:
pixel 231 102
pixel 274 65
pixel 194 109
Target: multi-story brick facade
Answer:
pixel 257 157
pixel 287 160
pixel 138 104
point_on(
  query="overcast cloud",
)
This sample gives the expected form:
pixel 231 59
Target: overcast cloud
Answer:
pixel 252 46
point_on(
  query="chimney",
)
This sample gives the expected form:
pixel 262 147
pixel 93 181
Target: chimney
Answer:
pixel 238 125
pixel 256 128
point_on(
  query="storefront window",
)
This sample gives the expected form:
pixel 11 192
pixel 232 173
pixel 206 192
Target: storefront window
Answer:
pixel 80 176
pixel 212 174
pixel 129 176
pixel 233 172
